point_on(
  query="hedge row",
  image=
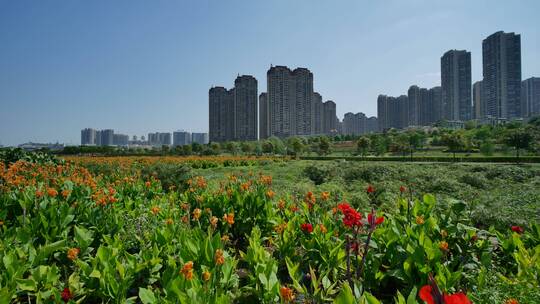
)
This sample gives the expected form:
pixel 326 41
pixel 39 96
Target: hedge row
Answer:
pixel 486 159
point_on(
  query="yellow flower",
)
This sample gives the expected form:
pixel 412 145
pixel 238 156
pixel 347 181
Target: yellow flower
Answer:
pixel 443 246
pixel 206 275
pixel 218 257
pixel 420 220
pixel 286 293
pixel 197 213
pixel 213 221
pixel 73 253
pixel 155 210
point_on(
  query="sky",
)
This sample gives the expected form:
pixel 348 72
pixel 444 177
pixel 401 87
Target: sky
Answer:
pixel 140 66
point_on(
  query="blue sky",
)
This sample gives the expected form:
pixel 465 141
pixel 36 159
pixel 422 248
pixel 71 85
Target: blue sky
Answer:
pixel 141 66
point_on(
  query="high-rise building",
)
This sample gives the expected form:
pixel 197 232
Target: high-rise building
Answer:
pixel 530 100
pixel 245 108
pixel 425 108
pixel 200 138
pixel 435 105
pixel 413 95
pixel 354 124
pixel 221 114
pixel 159 139
pixel 372 124
pixel 181 138
pixel 88 137
pixel 382 110
pixel 392 112
pixel 107 137
pixel 291 106
pixel 121 140
pixel 501 58
pixel 456 85
pixel 329 117
pixel 318 112
pixel 264 118
pixel 478 105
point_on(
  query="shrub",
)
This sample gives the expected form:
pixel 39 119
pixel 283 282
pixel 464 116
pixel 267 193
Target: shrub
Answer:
pixel 318 174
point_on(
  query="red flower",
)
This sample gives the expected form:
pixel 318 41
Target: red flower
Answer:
pixel 66 295
pixel 427 294
pixel 370 189
pixel 374 221
pixel 402 189
pixel 351 217
pixel 517 229
pixel 306 227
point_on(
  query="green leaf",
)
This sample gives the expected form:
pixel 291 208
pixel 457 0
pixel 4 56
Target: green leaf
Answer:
pixel 345 296
pixel 26 284
pixel 370 299
pixel 411 299
pixel 83 236
pixel 146 296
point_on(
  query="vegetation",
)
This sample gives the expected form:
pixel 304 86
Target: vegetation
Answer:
pixel 189 230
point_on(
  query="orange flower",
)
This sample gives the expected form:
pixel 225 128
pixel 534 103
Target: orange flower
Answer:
pixel 280 228
pixel 281 204
pixel 65 193
pixel 52 192
pixel 73 253
pixel 229 218
pixel 169 221
pixel 201 182
pixel 197 213
pixel 325 195
pixel 310 198
pixel 266 179
pixel 511 301
pixel 206 276
pixel 419 220
pixel 155 210
pixel 293 208
pixel 185 219
pixel 286 293
pixel 1 223
pixel 39 194
pixel 270 194
pixel 184 206
pixel 225 238
pixel 323 228
pixel 148 184
pixel 187 270
pixel 218 257
pixel 443 246
pixel 244 186
pixel 213 221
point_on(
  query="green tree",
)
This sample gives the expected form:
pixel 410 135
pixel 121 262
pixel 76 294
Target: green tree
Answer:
pixel 187 149
pixel 268 147
pixel 519 139
pixel 247 147
pixel 487 148
pixel 362 145
pixel 324 146
pixel 454 141
pixel 231 147
pixel 196 147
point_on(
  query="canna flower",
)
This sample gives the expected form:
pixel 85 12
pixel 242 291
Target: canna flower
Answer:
pixel 293 208
pixel 444 234
pixel 323 228
pixel 270 194
pixel 374 221
pixel 420 220
pixel 197 213
pixel 225 238
pixel 244 186
pixel 281 204
pixel 184 206
pixel 229 218
pixel 443 245
pixel 169 221
pixel 148 184
pixel 370 189
pixel 511 301
pixel 65 193
pixel 402 189
pixel 213 222
pixel 206 276
pixel 155 210
pixel 432 295
pixel 187 270
pixel 287 294
pixel 325 196
pixel 351 217
pixel 39 193
pixel 218 257
pixel 185 219
pixel 1 223
pixel 52 192
pixel 517 229
pixel 73 253
pixel 66 295
pixel 307 227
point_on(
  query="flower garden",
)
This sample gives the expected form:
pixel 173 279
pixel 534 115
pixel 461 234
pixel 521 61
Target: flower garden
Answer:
pixel 72 236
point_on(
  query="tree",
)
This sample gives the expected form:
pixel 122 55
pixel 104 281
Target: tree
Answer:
pixel 196 147
pixel 519 138
pixel 268 147
pixel 362 145
pixel 295 145
pixel 487 148
pixel 231 147
pixel 324 146
pixel 454 141
pixel 415 140
pixel 247 147
pixel 186 149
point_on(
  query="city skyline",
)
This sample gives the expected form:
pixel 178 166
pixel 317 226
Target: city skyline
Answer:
pixel 67 74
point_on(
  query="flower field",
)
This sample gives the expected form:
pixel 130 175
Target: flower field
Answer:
pixel 68 235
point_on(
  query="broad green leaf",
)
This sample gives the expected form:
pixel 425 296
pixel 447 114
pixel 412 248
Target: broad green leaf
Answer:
pixel 146 296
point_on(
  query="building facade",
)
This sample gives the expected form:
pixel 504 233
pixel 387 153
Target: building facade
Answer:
pixel 501 60
pixel 181 138
pixel 221 114
pixel 245 108
pixel 264 118
pixel 318 113
pixel 88 137
pixel 479 110
pixel 456 85
pixel 200 138
pixel 530 97
pixel 329 117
